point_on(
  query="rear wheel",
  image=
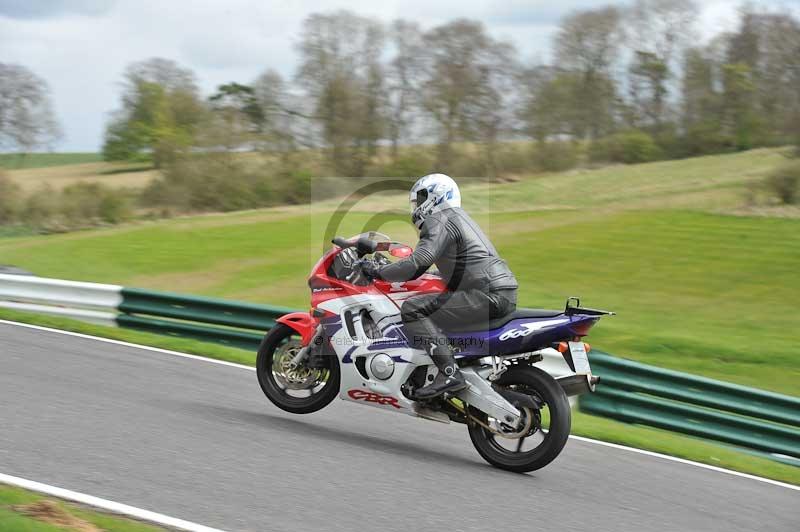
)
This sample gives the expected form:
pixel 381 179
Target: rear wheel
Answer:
pixel 300 390
pixel 543 433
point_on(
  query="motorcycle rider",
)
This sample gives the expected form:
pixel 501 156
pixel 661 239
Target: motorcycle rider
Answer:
pixel 480 286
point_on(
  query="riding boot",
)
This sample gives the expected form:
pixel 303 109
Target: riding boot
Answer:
pixel 449 378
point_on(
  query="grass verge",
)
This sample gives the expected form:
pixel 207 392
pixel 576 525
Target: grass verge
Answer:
pixel 23 510
pixel 583 424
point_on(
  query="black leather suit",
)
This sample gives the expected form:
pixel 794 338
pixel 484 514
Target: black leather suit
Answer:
pixel 480 284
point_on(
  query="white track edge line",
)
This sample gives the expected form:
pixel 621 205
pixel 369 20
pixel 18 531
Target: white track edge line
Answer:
pixel 104 504
pixel 578 438
pixel 128 344
pixel 685 461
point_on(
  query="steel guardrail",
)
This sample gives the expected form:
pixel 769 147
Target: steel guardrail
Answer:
pixel 639 393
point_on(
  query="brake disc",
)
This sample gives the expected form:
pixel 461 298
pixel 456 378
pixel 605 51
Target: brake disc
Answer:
pixel 293 377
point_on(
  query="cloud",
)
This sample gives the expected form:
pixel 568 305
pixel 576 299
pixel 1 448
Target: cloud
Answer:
pixel 536 13
pixel 81 47
pixel 42 9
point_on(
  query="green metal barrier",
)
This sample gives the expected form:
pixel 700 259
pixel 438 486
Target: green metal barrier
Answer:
pixel 638 393
pixel 243 324
pixel 200 309
pixel 628 391
pixel 218 335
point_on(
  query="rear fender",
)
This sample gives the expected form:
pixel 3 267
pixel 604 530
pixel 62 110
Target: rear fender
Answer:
pixel 302 322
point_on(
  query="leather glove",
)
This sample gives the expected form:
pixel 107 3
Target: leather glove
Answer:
pixel 369 269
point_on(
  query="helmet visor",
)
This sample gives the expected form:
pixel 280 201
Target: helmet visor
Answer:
pixel 422 195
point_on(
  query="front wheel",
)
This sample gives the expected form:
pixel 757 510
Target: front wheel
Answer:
pixel 299 390
pixel 544 433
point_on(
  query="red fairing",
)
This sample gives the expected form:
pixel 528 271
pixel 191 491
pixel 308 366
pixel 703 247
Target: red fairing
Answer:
pixel 324 287
pixel 302 322
pixel 424 284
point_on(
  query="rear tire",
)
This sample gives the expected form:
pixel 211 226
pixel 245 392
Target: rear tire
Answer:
pixel 282 341
pixel 532 381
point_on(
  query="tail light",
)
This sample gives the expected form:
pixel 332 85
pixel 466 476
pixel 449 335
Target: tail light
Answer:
pixel 582 328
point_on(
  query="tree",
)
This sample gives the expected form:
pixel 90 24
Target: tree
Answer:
pixel 490 115
pixel 341 73
pixel 661 30
pixel 403 79
pixel 161 110
pixel 586 45
pixel 700 98
pixel 739 118
pixel 281 113
pixel 648 88
pixel 238 114
pixel 556 106
pixel 664 28
pixel 462 70
pixel 701 112
pixel 769 45
pixel 26 117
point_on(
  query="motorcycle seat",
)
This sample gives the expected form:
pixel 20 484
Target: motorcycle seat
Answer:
pixel 496 323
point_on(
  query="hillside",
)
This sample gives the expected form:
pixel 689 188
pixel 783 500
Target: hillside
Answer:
pixel 699 283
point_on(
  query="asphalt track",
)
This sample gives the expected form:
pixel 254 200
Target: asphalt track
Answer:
pixel 198 441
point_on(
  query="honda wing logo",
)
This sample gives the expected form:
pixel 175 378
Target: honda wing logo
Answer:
pixel 527 328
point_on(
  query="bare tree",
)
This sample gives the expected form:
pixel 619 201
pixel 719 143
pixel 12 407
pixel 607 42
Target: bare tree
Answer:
pixel 403 79
pixel 663 27
pixel 340 71
pixel 587 44
pixel 700 82
pixel 769 45
pixel 281 114
pixel 26 116
pixel 159 71
pixel 462 71
pixel 491 115
pixel 648 89
pixel 660 32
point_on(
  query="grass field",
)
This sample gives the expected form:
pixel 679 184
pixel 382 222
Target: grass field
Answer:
pixel 117 175
pixel 25 511
pixel 697 283
pixel 43 160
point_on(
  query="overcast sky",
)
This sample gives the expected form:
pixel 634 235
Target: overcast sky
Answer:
pixel 82 46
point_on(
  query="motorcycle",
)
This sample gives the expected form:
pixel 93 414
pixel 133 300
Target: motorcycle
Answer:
pixel 352 344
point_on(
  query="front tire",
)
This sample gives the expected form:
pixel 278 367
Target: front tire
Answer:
pixel 509 453
pixel 297 390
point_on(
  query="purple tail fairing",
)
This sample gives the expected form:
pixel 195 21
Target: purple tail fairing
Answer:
pixel 524 331
pixel 522 335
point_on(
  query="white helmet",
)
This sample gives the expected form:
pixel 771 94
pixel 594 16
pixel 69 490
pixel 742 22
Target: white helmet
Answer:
pixel 432 193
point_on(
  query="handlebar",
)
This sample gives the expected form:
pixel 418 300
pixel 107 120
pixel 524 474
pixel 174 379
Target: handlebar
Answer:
pixel 341 242
pixel 363 245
